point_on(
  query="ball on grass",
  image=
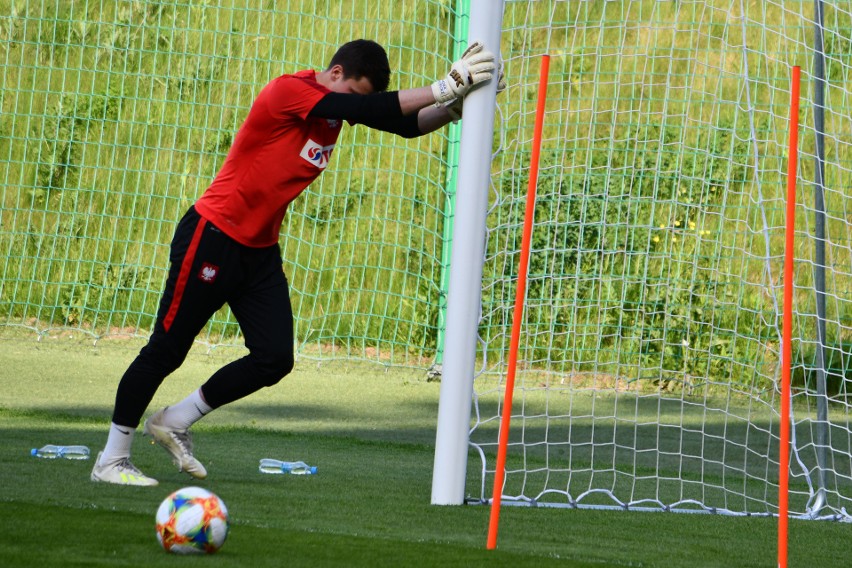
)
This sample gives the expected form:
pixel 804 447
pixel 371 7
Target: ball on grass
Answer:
pixel 192 520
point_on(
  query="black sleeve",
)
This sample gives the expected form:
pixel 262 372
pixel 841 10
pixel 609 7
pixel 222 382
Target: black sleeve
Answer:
pixel 358 108
pixel 405 126
pixel 377 110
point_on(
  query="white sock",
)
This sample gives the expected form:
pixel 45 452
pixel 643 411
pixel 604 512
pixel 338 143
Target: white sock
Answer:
pixel 187 412
pixel 118 444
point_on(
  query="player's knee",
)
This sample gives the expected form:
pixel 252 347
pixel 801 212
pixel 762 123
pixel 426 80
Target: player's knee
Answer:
pixel 274 367
pixel 165 356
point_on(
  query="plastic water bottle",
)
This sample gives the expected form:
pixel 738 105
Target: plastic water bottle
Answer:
pixel 67 452
pixel 268 465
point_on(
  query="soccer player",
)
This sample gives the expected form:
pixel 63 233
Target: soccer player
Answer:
pixel 225 249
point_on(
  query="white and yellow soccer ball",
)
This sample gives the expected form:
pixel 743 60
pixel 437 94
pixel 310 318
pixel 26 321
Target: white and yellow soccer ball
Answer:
pixel 192 520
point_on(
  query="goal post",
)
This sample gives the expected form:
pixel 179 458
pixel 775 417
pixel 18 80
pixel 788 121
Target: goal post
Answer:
pixel 465 282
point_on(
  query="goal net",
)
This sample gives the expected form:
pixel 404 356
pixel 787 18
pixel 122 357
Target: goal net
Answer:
pixel 649 361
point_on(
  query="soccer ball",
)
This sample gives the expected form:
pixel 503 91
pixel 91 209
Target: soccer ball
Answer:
pixel 192 520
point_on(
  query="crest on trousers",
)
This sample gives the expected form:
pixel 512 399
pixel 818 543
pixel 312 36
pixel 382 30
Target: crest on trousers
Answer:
pixel 208 273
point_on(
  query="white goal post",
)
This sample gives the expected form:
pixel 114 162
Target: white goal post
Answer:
pixel 650 348
pixel 468 250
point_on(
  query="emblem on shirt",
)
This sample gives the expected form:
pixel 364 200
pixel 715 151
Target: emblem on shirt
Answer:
pixel 332 122
pixel 208 273
pixel 316 154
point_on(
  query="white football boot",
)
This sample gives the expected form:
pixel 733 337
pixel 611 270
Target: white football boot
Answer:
pixel 177 442
pixel 120 472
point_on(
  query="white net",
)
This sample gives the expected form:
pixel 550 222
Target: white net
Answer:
pixel 650 348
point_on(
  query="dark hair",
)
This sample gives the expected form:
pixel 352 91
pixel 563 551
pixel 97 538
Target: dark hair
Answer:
pixel 364 58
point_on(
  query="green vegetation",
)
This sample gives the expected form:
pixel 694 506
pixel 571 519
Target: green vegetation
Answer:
pixel 116 116
pixel 659 223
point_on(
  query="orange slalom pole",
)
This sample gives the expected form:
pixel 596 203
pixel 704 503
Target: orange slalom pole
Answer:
pixel 517 316
pixel 787 323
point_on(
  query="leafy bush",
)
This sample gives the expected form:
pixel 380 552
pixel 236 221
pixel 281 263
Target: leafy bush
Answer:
pixel 618 271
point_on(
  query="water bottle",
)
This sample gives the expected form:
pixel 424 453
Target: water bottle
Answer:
pixel 67 452
pixel 268 465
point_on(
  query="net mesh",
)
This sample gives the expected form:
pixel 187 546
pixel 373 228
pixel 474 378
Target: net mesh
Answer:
pixel 649 358
pixel 117 115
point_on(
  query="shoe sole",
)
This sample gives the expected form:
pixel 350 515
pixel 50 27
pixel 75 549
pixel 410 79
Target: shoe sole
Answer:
pixel 126 479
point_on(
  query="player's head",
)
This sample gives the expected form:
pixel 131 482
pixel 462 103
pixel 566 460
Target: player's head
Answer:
pixel 364 58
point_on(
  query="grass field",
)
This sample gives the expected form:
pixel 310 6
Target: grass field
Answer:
pixel 369 430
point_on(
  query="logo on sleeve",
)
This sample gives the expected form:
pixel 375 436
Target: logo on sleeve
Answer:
pixel 208 273
pixel 316 154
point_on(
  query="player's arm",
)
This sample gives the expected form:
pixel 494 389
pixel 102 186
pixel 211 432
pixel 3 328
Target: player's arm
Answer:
pixel 412 112
pixel 432 118
pixel 474 68
pixel 382 112
pixel 427 119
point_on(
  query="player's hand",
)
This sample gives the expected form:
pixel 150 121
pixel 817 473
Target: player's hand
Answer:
pixel 475 67
pixel 455 107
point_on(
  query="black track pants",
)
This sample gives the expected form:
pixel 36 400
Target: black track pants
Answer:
pixel 209 269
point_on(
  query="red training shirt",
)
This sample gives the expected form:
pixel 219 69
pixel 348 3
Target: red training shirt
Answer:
pixel 277 152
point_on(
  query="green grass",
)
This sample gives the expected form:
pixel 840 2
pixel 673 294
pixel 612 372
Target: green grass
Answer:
pixel 369 430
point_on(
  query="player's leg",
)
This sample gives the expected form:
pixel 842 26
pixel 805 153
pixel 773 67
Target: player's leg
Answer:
pixel 191 296
pixel 219 271
pixel 261 304
pixel 266 319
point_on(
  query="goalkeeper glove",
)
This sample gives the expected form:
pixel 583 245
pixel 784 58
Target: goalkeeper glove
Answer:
pixel 474 67
pixel 454 107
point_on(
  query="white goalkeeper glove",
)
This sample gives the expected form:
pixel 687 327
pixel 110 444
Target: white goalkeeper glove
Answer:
pixel 454 107
pixel 474 67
